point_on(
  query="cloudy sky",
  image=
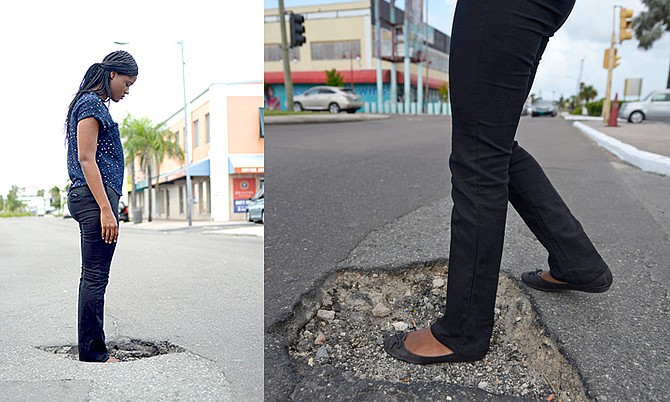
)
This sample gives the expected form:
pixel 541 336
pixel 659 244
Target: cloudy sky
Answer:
pixel 47 46
pixel 585 35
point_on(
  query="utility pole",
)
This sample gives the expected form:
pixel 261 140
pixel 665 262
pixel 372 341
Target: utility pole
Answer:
pixel 607 104
pixel 288 83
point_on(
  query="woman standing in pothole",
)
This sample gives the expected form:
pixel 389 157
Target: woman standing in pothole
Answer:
pixel 95 165
pixel 496 46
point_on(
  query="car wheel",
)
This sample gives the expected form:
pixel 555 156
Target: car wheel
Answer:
pixel 263 217
pixel 334 108
pixel 297 107
pixel 636 117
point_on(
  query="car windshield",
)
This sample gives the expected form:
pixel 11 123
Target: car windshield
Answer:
pixel 259 194
pixel 648 97
pixel 347 90
pixel 543 103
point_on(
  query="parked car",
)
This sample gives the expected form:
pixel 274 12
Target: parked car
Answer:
pixel 256 208
pixel 123 212
pixel 332 99
pixel 544 108
pixel 656 106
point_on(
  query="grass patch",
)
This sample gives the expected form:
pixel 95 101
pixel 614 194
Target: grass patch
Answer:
pixel 14 214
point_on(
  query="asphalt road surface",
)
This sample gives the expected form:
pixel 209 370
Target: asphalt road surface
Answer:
pixel 198 290
pixel 375 194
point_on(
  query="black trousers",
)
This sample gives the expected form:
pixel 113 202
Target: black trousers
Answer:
pixel 96 258
pixel 496 47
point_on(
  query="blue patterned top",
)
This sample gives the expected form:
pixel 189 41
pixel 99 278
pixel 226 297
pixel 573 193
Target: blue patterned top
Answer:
pixel 109 152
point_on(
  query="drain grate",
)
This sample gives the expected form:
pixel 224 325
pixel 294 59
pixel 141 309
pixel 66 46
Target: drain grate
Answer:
pixel 124 349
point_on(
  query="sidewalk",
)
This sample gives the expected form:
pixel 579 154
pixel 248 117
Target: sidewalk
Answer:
pixel 235 228
pixel 645 145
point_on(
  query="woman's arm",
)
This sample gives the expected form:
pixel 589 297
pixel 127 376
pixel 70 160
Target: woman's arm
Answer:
pixel 87 142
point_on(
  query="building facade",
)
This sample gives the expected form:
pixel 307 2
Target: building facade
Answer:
pixel 227 157
pixel 342 36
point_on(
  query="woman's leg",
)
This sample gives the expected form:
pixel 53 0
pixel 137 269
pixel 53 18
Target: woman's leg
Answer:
pixel 494 51
pixel 96 256
pixel 572 256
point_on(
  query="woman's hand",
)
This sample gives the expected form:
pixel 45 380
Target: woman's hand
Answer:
pixel 110 228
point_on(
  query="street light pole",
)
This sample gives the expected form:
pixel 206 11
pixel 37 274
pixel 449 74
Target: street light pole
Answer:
pixel 187 141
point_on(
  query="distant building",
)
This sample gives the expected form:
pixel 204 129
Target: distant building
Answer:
pixel 227 157
pixel 342 36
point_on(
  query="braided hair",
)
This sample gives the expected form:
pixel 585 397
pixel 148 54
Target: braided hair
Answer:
pixel 96 79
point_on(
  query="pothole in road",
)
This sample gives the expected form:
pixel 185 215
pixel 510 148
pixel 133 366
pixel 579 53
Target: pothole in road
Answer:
pixel 124 349
pixel 357 310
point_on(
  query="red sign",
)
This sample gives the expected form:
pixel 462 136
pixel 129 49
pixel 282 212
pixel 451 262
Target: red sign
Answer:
pixel 244 188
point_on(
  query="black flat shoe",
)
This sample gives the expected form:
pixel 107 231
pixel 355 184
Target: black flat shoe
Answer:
pixel 395 346
pixel 598 285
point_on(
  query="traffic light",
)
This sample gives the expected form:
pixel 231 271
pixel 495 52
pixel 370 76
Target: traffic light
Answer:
pixel 606 61
pixel 297 30
pixel 625 24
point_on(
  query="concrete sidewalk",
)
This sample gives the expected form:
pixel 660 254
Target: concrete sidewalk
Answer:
pixel 645 145
pixel 236 228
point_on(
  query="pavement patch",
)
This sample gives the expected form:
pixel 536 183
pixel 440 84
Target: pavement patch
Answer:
pixel 124 349
pixel 354 311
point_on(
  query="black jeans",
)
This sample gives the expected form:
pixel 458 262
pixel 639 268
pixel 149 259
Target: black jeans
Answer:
pixel 496 47
pixel 96 258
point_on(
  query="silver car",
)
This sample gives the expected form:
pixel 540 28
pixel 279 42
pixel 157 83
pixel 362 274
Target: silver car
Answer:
pixel 656 106
pixel 332 99
pixel 256 208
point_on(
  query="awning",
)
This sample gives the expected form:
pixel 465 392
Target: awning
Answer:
pixel 246 164
pixel 200 168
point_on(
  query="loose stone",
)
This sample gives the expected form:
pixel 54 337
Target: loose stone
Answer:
pixel 400 326
pixel 380 310
pixel 326 315
pixel 320 339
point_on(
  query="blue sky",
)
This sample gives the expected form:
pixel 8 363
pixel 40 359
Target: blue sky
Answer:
pixel 585 35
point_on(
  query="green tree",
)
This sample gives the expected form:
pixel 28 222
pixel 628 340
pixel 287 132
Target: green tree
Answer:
pixel 588 93
pixel 334 79
pixel 12 203
pixel 443 91
pixel 651 24
pixel 55 197
pixel 150 144
pixel 2 203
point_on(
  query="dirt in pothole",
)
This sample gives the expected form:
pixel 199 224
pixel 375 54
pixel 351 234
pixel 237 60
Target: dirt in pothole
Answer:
pixel 124 349
pixel 357 310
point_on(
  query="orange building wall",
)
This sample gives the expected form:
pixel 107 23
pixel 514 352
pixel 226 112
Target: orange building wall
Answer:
pixel 202 151
pixel 244 125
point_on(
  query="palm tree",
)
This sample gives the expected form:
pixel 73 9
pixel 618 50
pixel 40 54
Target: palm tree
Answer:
pixel 164 144
pixel 650 25
pixel 150 144
pixel 588 93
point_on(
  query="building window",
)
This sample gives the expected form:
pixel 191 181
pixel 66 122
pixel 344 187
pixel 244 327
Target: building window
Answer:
pixel 207 128
pixel 262 121
pixel 181 200
pixel 201 204
pixel 335 50
pixel 196 133
pixel 273 53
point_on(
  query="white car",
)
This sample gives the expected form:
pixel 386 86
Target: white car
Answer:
pixel 256 207
pixel 332 99
pixel 656 106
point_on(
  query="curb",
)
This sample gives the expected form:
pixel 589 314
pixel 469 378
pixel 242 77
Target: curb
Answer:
pixel 322 118
pixel 646 161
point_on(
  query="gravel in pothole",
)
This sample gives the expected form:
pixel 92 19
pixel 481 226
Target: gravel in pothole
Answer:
pixel 357 310
pixel 124 349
